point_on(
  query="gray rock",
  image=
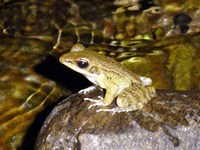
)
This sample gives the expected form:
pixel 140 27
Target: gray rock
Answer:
pixel 169 121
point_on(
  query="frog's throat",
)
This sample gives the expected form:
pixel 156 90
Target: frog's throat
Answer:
pixel 92 79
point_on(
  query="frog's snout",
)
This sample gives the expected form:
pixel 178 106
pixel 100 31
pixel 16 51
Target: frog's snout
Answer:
pixel 63 60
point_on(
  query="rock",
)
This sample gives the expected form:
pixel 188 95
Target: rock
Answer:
pixel 169 120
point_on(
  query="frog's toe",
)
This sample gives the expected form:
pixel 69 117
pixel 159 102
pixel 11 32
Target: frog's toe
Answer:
pixel 115 110
pixel 93 100
pixel 87 90
pixel 99 103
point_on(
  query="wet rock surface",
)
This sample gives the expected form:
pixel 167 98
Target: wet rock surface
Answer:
pixel 168 121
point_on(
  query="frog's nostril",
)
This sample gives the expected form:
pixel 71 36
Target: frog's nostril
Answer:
pixel 63 60
pixel 67 61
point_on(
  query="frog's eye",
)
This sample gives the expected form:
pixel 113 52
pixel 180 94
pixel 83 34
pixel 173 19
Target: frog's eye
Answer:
pixel 82 63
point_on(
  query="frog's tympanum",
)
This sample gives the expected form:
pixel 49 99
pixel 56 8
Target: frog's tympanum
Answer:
pixel 131 91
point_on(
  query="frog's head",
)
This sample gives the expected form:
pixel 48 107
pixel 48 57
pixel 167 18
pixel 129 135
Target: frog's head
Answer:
pixel 80 61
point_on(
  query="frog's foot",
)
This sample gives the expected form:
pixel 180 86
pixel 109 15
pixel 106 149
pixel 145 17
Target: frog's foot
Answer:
pixel 100 103
pixel 146 81
pixel 87 90
pixel 97 102
pixel 116 110
pixel 93 100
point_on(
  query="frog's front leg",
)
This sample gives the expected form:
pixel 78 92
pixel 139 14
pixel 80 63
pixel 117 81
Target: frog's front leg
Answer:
pixel 110 95
pixel 87 90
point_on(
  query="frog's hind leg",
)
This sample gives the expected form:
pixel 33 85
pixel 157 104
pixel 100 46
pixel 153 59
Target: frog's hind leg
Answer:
pixel 131 98
pixel 115 110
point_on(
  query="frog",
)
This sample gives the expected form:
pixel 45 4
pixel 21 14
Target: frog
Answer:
pixel 130 91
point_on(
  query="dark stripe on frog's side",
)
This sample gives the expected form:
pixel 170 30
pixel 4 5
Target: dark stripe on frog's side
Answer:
pixel 148 91
pixel 140 90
